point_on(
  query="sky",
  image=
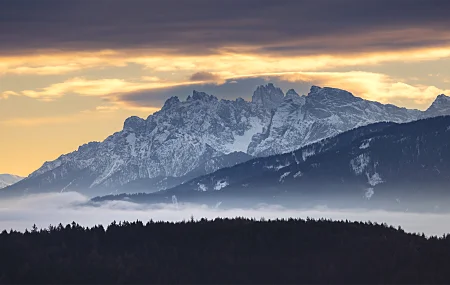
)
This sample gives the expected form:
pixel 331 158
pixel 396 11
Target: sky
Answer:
pixel 72 71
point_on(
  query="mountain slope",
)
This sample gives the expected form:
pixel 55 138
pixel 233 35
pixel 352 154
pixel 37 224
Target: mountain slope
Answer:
pixel 440 107
pixel 8 179
pixel 385 163
pixel 325 112
pixel 203 134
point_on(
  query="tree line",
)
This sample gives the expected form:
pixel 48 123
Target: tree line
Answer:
pixel 224 251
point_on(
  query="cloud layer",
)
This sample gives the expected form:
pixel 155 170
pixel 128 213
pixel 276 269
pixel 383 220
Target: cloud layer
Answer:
pixel 202 26
pixel 46 209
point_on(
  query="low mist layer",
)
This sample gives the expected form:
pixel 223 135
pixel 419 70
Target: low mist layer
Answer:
pixel 52 209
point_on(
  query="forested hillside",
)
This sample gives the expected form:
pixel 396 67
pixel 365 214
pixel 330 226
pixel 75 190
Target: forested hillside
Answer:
pixel 224 251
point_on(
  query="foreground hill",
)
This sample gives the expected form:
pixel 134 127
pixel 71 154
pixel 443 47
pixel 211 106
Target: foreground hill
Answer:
pixel 202 134
pixel 223 251
pixel 381 165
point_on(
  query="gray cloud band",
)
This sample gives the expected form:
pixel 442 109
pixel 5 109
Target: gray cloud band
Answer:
pixel 202 26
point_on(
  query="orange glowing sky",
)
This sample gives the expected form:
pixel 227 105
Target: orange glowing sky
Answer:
pixel 69 76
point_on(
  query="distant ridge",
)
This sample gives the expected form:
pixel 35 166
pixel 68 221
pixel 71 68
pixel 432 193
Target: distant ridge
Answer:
pixel 8 179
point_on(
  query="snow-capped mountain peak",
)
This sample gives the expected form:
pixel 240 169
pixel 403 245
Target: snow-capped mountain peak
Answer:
pixel 443 97
pixel 331 94
pixel 291 94
pixel 172 101
pixel 439 107
pixel 315 89
pixel 292 100
pixel 133 123
pixel 8 179
pixel 201 96
pixel 441 100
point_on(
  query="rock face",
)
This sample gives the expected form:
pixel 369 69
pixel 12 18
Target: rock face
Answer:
pixel 268 96
pixel 203 134
pixel 8 179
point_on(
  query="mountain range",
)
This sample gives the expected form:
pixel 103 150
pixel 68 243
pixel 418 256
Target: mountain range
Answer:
pixel 202 134
pixel 382 165
pixel 8 179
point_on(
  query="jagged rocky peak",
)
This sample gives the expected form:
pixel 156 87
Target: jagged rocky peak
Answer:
pixel 133 123
pixel 240 100
pixel 268 96
pixel 88 145
pixel 315 89
pixel 291 94
pixel 201 96
pixel 439 107
pixel 329 94
pixel 441 99
pixel 293 97
pixel 172 101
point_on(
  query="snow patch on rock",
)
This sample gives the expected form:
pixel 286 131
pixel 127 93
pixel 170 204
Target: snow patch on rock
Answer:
pixel 295 158
pixel 365 144
pixel 374 179
pixel 369 193
pixel 307 153
pixel 110 170
pixel 221 184
pixel 298 174
pixel 283 176
pixel 202 187
pixel 359 163
pixel 131 140
pixel 241 142
pixel 278 167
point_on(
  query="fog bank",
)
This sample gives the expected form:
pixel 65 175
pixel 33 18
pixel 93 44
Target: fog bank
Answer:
pixel 52 209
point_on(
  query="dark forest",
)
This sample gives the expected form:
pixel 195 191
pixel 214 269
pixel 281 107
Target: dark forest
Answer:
pixel 224 251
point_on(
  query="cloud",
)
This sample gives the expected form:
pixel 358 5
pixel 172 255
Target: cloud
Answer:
pixel 228 64
pixel 203 37
pixel 202 26
pixel 106 108
pixel 107 87
pixel 52 61
pixel 150 78
pixel 6 94
pixel 208 67
pixel 152 94
pixel 55 208
pixel 206 77
pixel 37 121
pixel 99 113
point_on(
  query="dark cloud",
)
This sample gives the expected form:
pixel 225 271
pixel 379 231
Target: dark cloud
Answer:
pixel 231 89
pixel 201 26
pixel 204 76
